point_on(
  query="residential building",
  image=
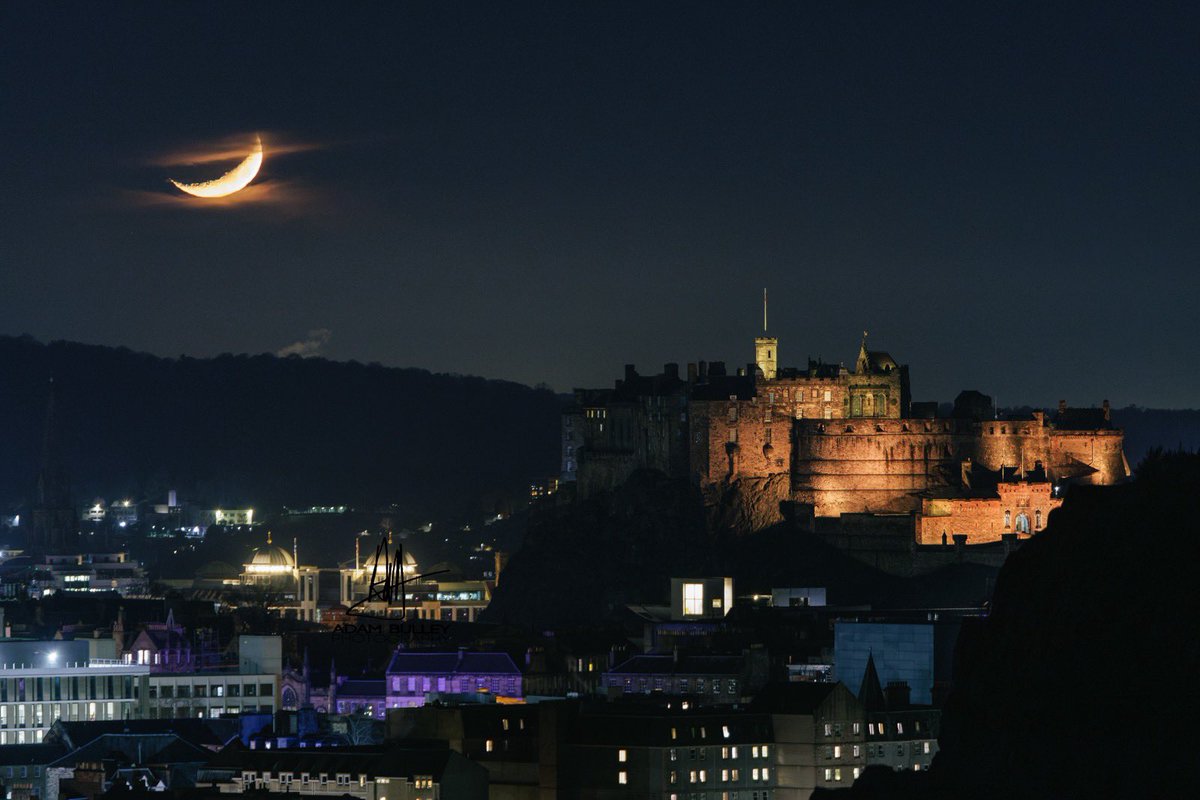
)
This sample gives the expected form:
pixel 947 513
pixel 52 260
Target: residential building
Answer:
pixel 672 752
pixel 416 771
pixel 819 731
pixel 412 674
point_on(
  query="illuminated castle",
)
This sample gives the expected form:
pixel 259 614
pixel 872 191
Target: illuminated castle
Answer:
pixel 827 440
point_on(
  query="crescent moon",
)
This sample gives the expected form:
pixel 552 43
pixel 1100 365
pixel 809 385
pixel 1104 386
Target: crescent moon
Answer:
pixel 235 180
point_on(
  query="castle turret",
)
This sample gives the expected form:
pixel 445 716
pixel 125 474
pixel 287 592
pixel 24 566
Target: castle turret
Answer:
pixel 766 349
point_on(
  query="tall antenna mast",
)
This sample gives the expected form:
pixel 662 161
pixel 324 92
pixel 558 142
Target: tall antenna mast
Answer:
pixel 764 309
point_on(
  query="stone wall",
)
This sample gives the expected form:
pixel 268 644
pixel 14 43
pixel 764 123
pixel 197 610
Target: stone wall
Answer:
pixel 984 519
pixel 873 466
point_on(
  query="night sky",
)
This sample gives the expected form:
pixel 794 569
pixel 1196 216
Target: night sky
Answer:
pixel 1004 194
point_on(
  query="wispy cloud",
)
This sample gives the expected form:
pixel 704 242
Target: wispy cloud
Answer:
pixel 308 347
pixel 232 148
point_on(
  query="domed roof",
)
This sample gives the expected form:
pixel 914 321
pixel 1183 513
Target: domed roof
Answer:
pixel 272 556
pixel 410 563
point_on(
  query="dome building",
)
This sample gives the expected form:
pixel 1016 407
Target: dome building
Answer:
pixel 274 569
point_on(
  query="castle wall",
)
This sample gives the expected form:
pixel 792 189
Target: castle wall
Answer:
pixel 732 439
pixel 1103 450
pixel 873 466
pixel 1024 443
pixel 984 519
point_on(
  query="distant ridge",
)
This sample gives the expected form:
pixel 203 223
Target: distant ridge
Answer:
pixel 268 430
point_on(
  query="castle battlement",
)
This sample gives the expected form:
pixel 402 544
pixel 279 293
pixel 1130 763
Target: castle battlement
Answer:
pixel 842 441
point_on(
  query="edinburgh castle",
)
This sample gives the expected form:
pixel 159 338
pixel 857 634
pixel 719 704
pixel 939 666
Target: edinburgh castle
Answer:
pixel 840 449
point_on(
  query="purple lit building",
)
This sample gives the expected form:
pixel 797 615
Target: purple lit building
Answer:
pixel 413 674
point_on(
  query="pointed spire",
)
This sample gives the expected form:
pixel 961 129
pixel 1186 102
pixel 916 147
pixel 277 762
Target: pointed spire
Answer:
pixel 870 693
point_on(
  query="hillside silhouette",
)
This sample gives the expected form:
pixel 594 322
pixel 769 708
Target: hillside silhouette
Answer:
pixel 270 431
pixel 1081 681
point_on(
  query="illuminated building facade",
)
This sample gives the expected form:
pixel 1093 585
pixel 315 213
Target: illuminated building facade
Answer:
pixel 41 682
pixel 291 589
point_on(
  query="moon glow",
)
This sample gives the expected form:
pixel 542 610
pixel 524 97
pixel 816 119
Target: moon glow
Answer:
pixel 235 180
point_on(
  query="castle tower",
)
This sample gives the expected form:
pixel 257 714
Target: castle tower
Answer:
pixel 766 348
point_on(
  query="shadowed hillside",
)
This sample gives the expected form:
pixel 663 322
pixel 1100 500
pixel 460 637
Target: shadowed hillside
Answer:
pixel 266 430
pixel 1082 681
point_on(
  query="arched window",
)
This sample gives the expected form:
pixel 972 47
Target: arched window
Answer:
pixel 1008 519
pixel 1037 520
pixel 289 698
pixel 1022 523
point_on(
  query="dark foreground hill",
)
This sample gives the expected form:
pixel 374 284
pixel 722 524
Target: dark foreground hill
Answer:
pixel 1082 681
pixel 261 429
pixel 581 564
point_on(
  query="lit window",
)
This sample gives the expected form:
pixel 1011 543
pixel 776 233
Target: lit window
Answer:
pixel 828 774
pixel 766 773
pixel 621 756
pixel 703 775
pixel 622 777
pixel 857 772
pixel 674 752
pixel 733 752
pixel 754 751
pixel 828 731
pixel 766 750
pixel 754 773
pixel 899 727
pixel 725 731
pixel 837 751
pixel 674 776
pixel 692 776
pixel 724 775
pixel 693 598
pixel 857 728
pixel 674 734
pixel 724 752
pixel 489 745
pixel 925 747
pixel 734 775
pixel 837 773
pixel 504 723
pixel 856 751
pixel 828 395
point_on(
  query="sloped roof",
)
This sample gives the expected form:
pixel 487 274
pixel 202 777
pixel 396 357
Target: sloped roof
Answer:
pixel 792 698
pixel 422 663
pixel 686 665
pixel 18 754
pixel 402 760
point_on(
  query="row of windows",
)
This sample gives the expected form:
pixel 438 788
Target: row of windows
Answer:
pixel 168 690
pixel 879 729
pixel 835 728
pixel 91 687
pixel 42 715
pixel 756 751
pixel 701 775
pixel 835 773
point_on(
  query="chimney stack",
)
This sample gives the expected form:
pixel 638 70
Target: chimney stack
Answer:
pixel 1062 406
pixel 897 694
pixel 1107 411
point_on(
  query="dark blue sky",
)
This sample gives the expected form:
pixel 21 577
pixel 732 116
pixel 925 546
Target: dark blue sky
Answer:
pixel 1004 194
